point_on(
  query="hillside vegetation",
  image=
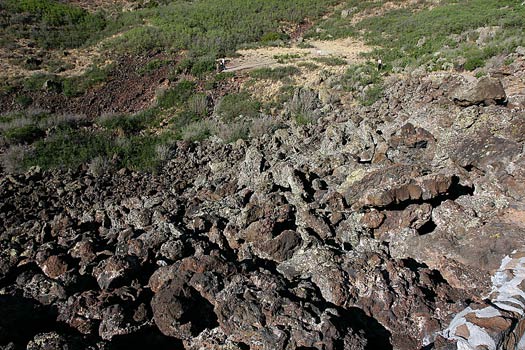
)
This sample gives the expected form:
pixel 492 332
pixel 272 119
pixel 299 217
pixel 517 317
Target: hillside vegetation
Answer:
pixel 181 40
pixel 423 33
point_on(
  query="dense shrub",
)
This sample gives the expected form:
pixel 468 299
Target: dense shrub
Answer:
pixel 25 134
pixel 277 73
pixel 177 95
pixel 129 124
pixel 57 25
pixel 70 148
pixel 234 105
pixel 76 86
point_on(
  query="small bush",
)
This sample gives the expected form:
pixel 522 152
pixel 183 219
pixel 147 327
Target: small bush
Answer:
pixel 36 81
pixel 128 124
pixel 12 159
pixel 198 104
pixel 24 100
pixel 365 82
pixel 98 166
pixel 286 57
pixel 76 86
pixel 308 65
pixel 234 105
pixel 25 134
pixel 177 95
pixel 152 66
pixel 303 106
pixel 273 36
pixel 181 120
pixel 331 61
pixel 277 73
pixel 233 131
pixel 265 125
pixel 372 94
pixel 163 152
pixel 202 66
pixel 197 131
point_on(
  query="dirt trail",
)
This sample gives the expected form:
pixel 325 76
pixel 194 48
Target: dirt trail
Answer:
pixel 348 49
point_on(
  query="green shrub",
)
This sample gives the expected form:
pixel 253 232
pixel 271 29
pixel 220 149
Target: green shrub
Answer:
pixel 76 86
pixel 36 82
pixel 308 65
pixel 233 131
pixel 129 124
pixel 197 131
pixel 181 120
pixel 24 100
pixel 371 95
pixel 331 61
pixel 286 57
pixel 70 148
pixel 365 82
pixel 25 134
pixel 152 66
pixel 303 106
pixel 198 104
pixel 273 36
pixel 233 105
pixel 202 66
pixel 177 95
pixel 277 73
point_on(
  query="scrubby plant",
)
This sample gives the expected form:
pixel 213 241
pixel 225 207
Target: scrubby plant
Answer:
pixel 98 166
pixel 197 131
pixel 24 134
pixel 265 125
pixel 365 82
pixel 12 159
pixel 78 85
pixel 303 106
pixel 331 61
pixel 177 95
pixel 24 100
pixel 198 104
pixel 277 73
pixel 234 105
pixel 128 124
pixel 233 131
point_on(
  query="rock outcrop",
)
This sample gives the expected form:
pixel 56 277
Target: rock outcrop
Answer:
pixel 376 228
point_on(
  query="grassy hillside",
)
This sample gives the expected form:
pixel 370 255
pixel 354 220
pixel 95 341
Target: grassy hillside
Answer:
pixel 183 38
pixel 432 34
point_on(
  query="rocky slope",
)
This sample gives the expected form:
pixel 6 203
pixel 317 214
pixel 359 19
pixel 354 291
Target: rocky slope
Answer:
pixel 371 229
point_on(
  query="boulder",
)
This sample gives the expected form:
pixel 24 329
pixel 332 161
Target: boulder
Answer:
pixel 485 90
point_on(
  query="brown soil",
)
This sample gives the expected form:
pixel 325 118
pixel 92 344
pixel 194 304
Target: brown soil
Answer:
pixel 125 91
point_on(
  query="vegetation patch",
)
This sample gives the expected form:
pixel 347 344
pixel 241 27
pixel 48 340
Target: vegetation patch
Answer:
pixel 177 95
pixel 277 73
pixel 331 61
pixel 129 124
pixel 435 37
pixel 52 24
pixel 365 82
pixel 69 148
pixel 76 86
pixel 234 105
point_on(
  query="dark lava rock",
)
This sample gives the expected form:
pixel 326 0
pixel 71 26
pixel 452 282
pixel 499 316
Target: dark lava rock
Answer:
pixel 114 271
pixel 485 90
pixel 180 311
